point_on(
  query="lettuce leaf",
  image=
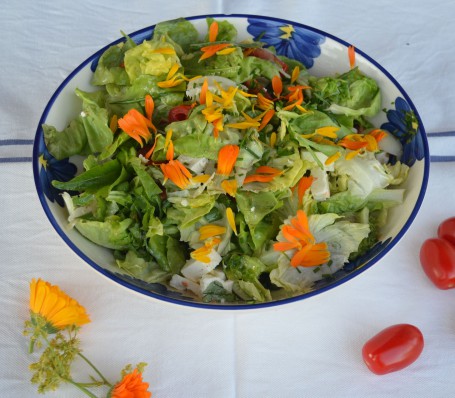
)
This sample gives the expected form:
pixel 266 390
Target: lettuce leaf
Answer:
pixel 178 30
pixel 226 31
pixel 146 59
pixel 111 233
pixel 110 68
pixel 86 134
pixel 139 268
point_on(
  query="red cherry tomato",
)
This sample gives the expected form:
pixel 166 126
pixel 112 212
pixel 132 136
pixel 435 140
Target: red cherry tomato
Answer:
pixel 446 230
pixel 393 348
pixel 437 257
pixel 179 112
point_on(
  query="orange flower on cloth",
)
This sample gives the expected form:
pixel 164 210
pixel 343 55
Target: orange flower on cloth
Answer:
pixel 131 386
pixel 59 309
pixel 299 237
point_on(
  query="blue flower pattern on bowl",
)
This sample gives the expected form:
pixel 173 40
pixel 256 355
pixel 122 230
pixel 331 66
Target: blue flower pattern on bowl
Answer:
pixel 288 40
pixel 403 124
pixel 53 169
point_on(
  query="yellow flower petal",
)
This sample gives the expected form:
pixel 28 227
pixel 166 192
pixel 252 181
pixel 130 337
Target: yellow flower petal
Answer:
pixel 329 131
pixel 230 187
pixel 59 309
pixel 231 219
pixel 210 230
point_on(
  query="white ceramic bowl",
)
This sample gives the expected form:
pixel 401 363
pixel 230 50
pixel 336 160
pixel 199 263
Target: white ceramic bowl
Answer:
pixel 324 54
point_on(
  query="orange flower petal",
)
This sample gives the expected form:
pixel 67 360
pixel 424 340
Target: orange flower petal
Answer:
pixel 136 125
pixel 351 56
pixel 303 185
pixel 203 94
pixel 175 171
pixel 149 106
pixel 268 115
pixel 284 246
pixel 298 236
pixel 277 85
pixel 131 386
pixel 210 51
pixel 213 31
pixel 227 156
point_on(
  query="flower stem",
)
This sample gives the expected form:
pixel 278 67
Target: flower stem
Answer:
pixel 83 389
pixel 95 369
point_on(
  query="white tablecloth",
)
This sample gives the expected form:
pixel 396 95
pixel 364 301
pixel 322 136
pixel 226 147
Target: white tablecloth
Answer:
pixel 311 348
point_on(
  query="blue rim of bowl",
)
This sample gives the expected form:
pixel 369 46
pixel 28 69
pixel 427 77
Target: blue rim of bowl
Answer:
pixel 196 304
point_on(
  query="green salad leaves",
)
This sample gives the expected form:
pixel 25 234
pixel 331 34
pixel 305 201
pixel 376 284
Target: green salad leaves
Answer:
pixel 223 170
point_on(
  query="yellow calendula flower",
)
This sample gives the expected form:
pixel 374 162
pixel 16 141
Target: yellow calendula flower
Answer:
pixel 59 309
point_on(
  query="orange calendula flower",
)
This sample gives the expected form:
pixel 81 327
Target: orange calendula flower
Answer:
pixel 131 386
pixel 263 174
pixel 136 125
pixel 308 253
pixel 59 309
pixel 227 156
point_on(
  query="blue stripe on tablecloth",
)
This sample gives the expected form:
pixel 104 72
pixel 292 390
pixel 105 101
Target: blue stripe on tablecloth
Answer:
pixel 25 159
pixel 15 142
pixel 438 159
pixel 442 134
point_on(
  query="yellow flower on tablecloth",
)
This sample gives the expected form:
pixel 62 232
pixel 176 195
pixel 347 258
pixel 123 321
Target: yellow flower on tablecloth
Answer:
pixel 59 309
pixel 131 386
